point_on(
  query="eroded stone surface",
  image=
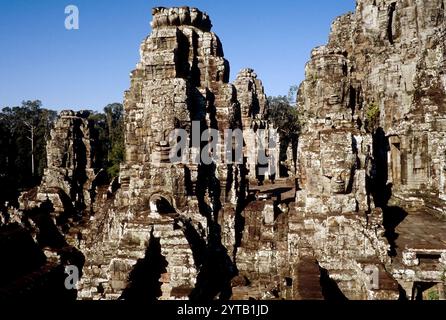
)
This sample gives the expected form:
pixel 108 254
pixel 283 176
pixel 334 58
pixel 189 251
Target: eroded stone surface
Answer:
pixel 194 231
pixel 69 179
pixel 182 77
pixel 387 56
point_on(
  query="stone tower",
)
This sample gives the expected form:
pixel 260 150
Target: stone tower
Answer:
pixel 182 77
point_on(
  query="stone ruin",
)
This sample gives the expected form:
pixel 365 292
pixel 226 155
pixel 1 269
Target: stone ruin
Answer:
pixel 68 180
pixel 254 104
pixel 386 55
pixel 188 210
pixel 34 237
pixel 363 218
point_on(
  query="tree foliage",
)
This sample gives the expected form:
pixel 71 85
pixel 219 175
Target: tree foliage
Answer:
pixel 109 127
pixel 372 114
pixel 16 149
pixel 15 146
pixel 115 120
pixel 285 118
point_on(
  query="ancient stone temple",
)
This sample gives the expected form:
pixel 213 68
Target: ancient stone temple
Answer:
pixel 34 241
pixel 68 180
pixel 187 208
pixel 257 130
pixel 334 212
pixel 362 216
pixel 383 61
pixel 182 77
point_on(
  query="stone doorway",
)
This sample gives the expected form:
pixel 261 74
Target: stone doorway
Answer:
pixel 428 291
pixel 160 205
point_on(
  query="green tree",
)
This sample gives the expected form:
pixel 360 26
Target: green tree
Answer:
pixel 109 126
pixel 285 118
pixel 24 132
pixel 100 135
pixel 372 114
pixel 115 122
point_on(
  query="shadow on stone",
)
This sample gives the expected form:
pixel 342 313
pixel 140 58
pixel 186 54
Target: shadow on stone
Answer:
pixel 330 289
pixel 393 216
pixel 382 191
pixel 144 279
pixel 217 271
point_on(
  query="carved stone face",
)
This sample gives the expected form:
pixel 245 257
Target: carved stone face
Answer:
pixel 194 15
pixel 337 159
pixel 184 14
pixel 156 126
pixel 326 162
pixel 174 18
pixel 326 86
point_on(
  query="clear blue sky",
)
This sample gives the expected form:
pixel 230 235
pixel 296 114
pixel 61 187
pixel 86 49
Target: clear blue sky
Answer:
pixel 89 68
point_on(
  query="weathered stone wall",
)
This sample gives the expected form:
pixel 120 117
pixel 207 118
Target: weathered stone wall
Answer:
pixel 395 52
pixel 257 130
pixel 68 180
pixel 182 77
pixel 263 234
pixel 383 61
pixel 193 231
pixel 334 212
